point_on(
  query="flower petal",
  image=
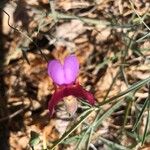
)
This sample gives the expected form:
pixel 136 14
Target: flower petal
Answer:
pixel 56 97
pixel 78 91
pixel 71 68
pixel 56 72
pixel 74 90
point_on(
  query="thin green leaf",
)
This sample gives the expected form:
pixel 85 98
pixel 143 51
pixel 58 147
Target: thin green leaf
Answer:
pixel 143 37
pixel 74 138
pixel 83 140
pixel 147 121
pixel 127 111
pixel 111 85
pixel 25 56
pixel 35 139
pixel 133 135
pixel 89 138
pixel 108 113
pixel 140 115
pixel 64 16
pixel 133 87
pixel 140 18
pixel 75 126
pixel 112 145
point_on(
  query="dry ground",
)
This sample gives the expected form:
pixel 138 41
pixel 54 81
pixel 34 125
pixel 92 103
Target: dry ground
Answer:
pixel 105 36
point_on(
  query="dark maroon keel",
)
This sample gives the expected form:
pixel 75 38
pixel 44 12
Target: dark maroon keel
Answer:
pixel 67 90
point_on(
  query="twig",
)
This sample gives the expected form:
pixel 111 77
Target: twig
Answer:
pixel 24 35
pixel 13 114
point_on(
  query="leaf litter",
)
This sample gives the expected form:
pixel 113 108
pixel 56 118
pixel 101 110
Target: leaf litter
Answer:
pixel 99 50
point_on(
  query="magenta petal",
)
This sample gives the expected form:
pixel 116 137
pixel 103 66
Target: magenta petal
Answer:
pixel 71 69
pixel 56 72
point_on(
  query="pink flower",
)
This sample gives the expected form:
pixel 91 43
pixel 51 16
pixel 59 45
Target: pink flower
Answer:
pixel 64 76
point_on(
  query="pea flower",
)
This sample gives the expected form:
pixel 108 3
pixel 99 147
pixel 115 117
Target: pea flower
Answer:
pixel 64 77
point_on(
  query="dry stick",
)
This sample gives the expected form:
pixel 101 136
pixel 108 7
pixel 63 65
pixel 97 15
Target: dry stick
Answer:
pixel 24 35
pixel 13 114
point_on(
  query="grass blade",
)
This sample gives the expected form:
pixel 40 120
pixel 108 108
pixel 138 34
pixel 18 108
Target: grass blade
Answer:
pixel 108 113
pixel 140 115
pixel 133 87
pixel 76 125
pixel 83 140
pixel 148 119
pixel 112 145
